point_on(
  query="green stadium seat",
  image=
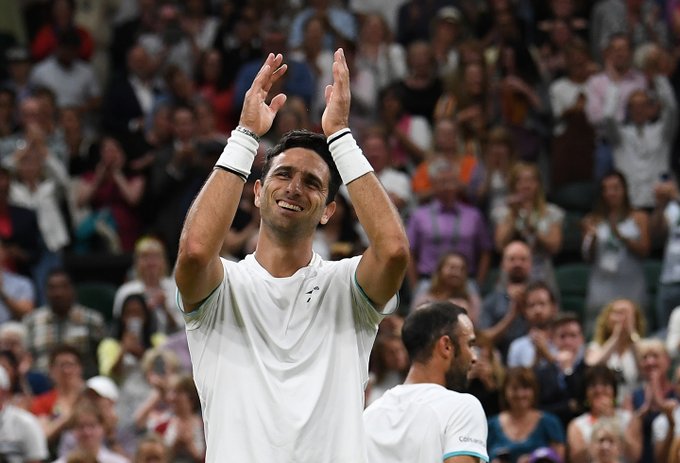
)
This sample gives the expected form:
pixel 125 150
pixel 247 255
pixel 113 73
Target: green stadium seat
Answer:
pixel 577 197
pixel 572 278
pixel 574 304
pixel 571 236
pixel 490 281
pixel 97 295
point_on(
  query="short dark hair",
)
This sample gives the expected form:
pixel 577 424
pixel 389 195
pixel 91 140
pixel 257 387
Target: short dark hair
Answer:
pixel 601 374
pixel 423 327
pixel 65 349
pixel 563 318
pixel 59 271
pixel 540 285
pixel 311 141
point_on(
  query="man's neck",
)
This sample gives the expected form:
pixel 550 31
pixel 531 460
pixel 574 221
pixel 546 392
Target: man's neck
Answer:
pixel 424 374
pixel 282 259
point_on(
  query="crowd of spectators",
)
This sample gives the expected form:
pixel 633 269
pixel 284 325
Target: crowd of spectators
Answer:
pixel 516 138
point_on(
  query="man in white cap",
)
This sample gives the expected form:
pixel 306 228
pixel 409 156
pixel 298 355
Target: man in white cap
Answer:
pixel 21 438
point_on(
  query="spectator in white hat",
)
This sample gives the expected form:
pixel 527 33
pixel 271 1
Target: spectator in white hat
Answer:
pixel 103 393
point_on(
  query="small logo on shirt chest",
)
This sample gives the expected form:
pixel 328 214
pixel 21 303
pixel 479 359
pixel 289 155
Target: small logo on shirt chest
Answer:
pixel 310 292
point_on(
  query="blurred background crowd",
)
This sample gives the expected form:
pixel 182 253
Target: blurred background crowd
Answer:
pixel 528 145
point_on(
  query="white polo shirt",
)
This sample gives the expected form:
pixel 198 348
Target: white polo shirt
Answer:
pixel 281 364
pixel 425 423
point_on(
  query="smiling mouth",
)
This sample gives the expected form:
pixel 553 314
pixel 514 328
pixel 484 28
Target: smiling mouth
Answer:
pixel 289 206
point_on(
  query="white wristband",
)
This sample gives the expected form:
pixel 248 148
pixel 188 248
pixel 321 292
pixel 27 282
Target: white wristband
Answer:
pixel 239 154
pixel 348 157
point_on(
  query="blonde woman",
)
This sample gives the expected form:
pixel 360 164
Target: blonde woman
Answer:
pixel 450 282
pixel 619 326
pixel 526 215
pixel 606 443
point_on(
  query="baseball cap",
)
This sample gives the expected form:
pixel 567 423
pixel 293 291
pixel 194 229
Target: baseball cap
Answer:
pixel 4 379
pixel 544 455
pixel 103 386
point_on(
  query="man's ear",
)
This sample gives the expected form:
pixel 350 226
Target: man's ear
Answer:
pixel 257 188
pixel 444 347
pixel 327 213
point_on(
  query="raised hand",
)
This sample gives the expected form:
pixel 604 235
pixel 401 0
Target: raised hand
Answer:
pixel 338 97
pixel 256 114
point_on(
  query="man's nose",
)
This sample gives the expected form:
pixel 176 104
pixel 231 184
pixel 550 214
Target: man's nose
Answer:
pixel 295 184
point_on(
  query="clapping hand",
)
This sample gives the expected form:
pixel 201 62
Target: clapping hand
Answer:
pixel 256 114
pixel 338 97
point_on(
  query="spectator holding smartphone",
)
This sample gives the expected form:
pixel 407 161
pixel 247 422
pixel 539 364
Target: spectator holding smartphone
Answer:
pixel 121 357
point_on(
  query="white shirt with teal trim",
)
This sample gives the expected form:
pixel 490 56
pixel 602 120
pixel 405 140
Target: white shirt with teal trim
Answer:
pixel 281 364
pixel 425 423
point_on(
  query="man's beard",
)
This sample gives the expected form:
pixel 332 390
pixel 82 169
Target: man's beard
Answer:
pixel 456 378
pixel 517 276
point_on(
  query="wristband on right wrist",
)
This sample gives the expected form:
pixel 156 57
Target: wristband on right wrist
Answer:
pixel 238 154
pixel 349 159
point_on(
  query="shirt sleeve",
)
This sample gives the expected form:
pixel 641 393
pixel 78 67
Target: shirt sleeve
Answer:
pixel 366 313
pixel 466 431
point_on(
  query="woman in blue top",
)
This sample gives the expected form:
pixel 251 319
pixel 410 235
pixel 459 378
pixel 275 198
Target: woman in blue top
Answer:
pixel 521 428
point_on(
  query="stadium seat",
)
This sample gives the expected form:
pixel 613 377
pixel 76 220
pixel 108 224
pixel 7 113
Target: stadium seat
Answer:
pixel 577 197
pixel 572 281
pixel 571 237
pixel 98 296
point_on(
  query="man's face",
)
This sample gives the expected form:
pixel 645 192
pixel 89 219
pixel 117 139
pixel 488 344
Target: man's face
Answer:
pixel 292 199
pixel 445 185
pixel 517 262
pixel 568 336
pixel 539 308
pixel 464 355
pixel 60 292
